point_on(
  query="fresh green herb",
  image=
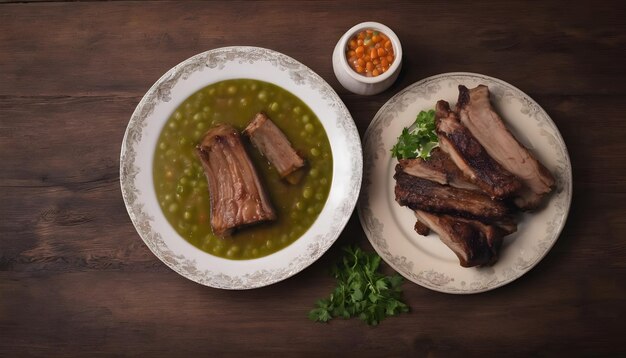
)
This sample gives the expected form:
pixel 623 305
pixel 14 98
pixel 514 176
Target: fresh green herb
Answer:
pixel 417 140
pixel 361 291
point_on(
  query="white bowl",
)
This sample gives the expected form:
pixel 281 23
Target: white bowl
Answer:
pixel 138 152
pixel 355 82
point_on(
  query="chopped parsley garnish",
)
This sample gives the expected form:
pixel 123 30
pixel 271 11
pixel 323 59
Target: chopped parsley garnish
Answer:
pixel 361 291
pixel 417 140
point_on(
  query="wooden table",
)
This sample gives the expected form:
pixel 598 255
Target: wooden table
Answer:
pixel 76 279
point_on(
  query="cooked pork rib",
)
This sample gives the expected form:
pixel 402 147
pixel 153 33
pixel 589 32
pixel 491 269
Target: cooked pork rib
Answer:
pixel 438 168
pixel 421 194
pixel 477 114
pixel 274 145
pixel 474 243
pixel 237 197
pixel 471 157
pixel 421 228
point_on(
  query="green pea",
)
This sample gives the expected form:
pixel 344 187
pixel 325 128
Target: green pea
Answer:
pixel 314 172
pixel 188 171
pixel 182 141
pixel 197 134
pixel 193 183
pixel 254 252
pixel 178 116
pixel 303 134
pixel 307 192
pixel 180 189
pixel 315 152
pixel 170 152
pixel 162 145
pixel 297 109
pixel 188 105
pixel 172 125
pixel 310 210
pixel 299 205
pixel 206 109
pixel 232 252
pixel 274 106
pixel 262 96
pixel 200 126
pixel 305 118
pixel 232 90
pixel 309 127
pixel 269 244
pixel 197 117
pixel 243 102
pixel 173 208
pixel 211 91
pixel 182 180
pixel 168 197
pixel 319 196
pixel 323 181
pixel 187 215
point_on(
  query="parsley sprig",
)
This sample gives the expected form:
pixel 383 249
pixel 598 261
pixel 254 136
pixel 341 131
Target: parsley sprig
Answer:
pixel 417 140
pixel 361 291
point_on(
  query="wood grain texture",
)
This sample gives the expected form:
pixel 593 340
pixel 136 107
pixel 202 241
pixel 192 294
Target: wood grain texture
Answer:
pixel 76 279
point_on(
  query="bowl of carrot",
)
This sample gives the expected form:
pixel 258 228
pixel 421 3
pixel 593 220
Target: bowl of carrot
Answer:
pixel 367 58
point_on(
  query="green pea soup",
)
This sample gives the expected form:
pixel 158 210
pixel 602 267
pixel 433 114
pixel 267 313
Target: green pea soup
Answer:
pixel 181 185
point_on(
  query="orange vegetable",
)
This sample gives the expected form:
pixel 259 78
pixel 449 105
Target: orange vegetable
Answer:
pixel 370 53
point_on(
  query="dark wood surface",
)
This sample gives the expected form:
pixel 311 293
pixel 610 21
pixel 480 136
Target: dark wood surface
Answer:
pixel 76 279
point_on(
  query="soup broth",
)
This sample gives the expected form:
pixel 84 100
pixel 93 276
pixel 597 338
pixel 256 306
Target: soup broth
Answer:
pixel 181 185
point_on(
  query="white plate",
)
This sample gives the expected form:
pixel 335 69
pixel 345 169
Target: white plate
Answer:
pixel 152 113
pixel 426 260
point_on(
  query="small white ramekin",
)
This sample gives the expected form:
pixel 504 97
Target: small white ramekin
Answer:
pixel 355 82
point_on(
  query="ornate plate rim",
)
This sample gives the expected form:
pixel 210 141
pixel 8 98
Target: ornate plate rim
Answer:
pixel 401 264
pixel 301 75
